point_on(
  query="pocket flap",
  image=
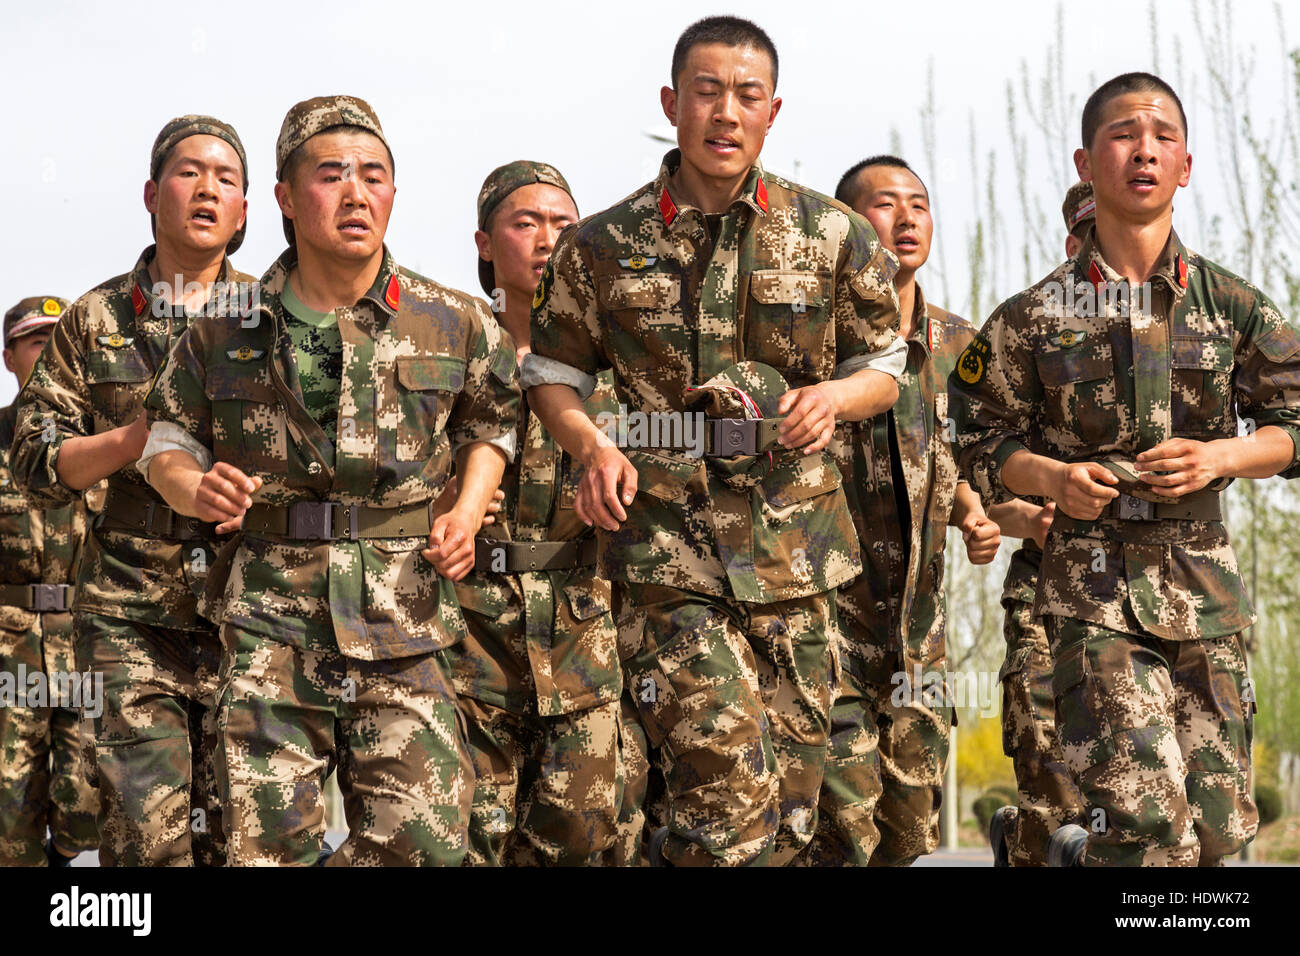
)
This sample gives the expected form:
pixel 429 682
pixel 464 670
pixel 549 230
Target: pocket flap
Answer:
pixel 1074 365
pixel 1279 343
pixel 775 287
pixel 799 479
pixel 239 384
pixel 661 477
pixel 116 365
pixel 1069 668
pixel 588 600
pixel 1015 663
pixel 1213 353
pixel 420 373
pixel 482 595
pixel 655 290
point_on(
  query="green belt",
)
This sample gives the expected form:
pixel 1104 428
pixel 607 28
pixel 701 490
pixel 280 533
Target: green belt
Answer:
pixel 729 437
pixel 124 511
pixel 38 597
pixel 515 556
pixel 331 520
pixel 1198 506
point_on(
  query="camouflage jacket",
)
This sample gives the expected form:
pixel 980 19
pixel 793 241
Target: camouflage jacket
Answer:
pixel 1062 368
pixel 897 603
pixel 92 377
pixel 543 635
pixel 426 369
pixel 1021 583
pixel 793 280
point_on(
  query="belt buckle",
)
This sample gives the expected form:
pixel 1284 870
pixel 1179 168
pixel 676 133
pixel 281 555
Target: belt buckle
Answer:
pixel 1136 509
pixel 733 436
pixel 311 520
pixel 48 597
pixel 154 510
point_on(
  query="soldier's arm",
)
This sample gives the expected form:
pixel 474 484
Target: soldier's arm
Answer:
pixel 56 455
pixel 479 467
pixel 1023 519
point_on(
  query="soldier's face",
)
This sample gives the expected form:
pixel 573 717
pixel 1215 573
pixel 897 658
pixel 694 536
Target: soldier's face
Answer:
pixel 895 202
pixel 522 233
pixel 198 201
pixel 1138 157
pixel 22 353
pixel 723 107
pixel 341 195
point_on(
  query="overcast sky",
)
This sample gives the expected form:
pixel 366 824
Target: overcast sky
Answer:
pixel 462 88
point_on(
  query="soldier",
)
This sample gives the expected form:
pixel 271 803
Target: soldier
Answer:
pixel 323 425
pixel 1048 796
pixel 892 714
pixel 44 777
pixel 1127 368
pixel 139 625
pixel 720 294
pixel 537 674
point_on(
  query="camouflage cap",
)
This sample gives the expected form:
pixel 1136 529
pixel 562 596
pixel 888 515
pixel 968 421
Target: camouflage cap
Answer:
pixel 182 127
pixel 500 183
pixel 1079 207
pixel 32 314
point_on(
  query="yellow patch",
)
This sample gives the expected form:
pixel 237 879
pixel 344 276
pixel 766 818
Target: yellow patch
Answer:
pixel 115 340
pixel 971 363
pixel 50 307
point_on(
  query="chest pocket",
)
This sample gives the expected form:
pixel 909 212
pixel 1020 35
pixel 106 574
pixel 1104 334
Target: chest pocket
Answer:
pixel 248 423
pixel 1079 393
pixel 118 379
pixel 646 319
pixel 1201 382
pixel 787 324
pixel 427 389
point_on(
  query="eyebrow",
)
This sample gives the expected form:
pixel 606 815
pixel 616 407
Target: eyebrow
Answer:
pixel 538 214
pixel 710 78
pixel 193 161
pixel 1132 121
pixel 895 194
pixel 339 164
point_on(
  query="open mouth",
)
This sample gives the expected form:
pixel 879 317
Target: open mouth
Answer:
pixel 1143 181
pixel 722 144
pixel 354 227
pixel 907 243
pixel 205 216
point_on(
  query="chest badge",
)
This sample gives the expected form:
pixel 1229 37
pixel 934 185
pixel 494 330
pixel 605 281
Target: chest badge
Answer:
pixel 51 307
pixel 638 262
pixel 115 341
pixel 1067 338
pixel 244 354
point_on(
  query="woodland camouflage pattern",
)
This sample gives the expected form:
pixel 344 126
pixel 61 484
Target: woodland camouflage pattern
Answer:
pixel 884 772
pixel 44 773
pixel 425 370
pixel 538 674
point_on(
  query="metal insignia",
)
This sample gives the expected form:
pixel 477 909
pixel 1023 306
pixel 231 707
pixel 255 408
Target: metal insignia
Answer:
pixel 638 262
pixel 244 354
pixel 115 341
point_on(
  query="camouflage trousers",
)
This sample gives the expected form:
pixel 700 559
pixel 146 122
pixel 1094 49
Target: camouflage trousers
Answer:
pixel 288 713
pixel 737 698
pixel 1158 736
pixel 46 758
pixel 1048 797
pixel 885 764
pixel 155 742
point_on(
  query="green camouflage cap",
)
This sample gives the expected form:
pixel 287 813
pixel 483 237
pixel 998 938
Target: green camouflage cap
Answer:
pixel 1079 208
pixel 183 127
pixel 316 115
pixel 31 315
pixel 748 390
pixel 500 183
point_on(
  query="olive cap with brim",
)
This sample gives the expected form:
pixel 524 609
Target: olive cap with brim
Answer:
pixel 500 183
pixel 1079 208
pixel 32 314
pixel 194 124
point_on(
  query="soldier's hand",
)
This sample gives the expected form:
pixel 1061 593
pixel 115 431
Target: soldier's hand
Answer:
pixel 223 495
pixel 446 500
pixel 600 501
pixel 1083 489
pixel 983 537
pixel 493 508
pixel 1041 523
pixel 451 545
pixel 810 418
pixel 1186 466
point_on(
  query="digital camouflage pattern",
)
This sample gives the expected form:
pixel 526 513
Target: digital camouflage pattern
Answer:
pixel 92 377
pixel 44 775
pixel 318 114
pixel 793 280
pixel 1048 797
pixel 1210 349
pixel 1142 616
pixel 426 370
pixel 538 673
pixel 884 774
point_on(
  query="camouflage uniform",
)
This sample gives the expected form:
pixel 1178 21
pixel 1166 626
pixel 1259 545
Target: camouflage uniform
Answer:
pixel 889 740
pixel 1144 614
pixel 44 774
pixel 732 677
pixel 138 620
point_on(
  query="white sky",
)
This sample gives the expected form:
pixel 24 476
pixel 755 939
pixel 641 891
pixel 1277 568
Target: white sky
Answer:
pixel 463 88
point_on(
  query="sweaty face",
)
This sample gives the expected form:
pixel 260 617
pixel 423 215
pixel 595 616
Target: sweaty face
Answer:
pixel 22 353
pixel 522 232
pixel 1138 157
pixel 198 200
pixel 894 201
pixel 722 108
pixel 340 195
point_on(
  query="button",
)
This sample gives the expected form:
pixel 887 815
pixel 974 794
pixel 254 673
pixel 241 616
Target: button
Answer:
pixel 880 605
pixel 313 468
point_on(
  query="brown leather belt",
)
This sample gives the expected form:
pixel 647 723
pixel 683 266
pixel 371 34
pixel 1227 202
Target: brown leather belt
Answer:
pixel 512 557
pixel 124 511
pixel 1198 506
pixel 332 520
pixel 38 597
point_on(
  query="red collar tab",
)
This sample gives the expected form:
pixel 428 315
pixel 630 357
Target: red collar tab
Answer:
pixel 393 294
pixel 929 333
pixel 667 208
pixel 760 195
pixel 139 301
pixel 1181 266
pixel 1094 273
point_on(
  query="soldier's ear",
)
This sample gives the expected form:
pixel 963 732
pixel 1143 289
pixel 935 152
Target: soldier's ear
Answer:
pixel 151 197
pixel 9 362
pixel 1082 165
pixel 283 199
pixel 776 108
pixel 1186 176
pixel 668 100
pixel 484 243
